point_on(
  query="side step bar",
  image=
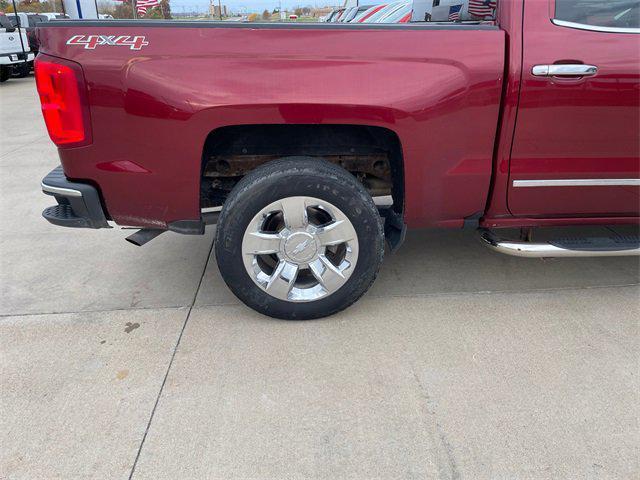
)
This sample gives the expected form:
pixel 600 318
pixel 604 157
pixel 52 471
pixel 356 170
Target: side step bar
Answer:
pixel 614 246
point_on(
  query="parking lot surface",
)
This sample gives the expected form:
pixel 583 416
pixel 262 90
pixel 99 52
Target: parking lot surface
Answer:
pixel 127 362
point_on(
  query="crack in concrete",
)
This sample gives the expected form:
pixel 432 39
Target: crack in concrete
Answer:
pixel 28 144
pixel 453 472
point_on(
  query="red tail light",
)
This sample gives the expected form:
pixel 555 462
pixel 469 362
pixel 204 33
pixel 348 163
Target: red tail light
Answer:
pixel 62 97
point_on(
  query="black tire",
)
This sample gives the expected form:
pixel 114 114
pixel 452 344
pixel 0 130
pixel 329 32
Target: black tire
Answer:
pixel 5 73
pixel 288 177
pixel 22 70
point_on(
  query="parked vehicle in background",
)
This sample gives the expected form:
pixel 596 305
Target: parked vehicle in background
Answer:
pixel 28 21
pixel 338 15
pixel 362 16
pixel 402 14
pixel 405 19
pixel 390 8
pixel 34 20
pixel 55 16
pixel 344 14
pixel 15 54
pixel 329 16
pixel 349 135
pixel 352 13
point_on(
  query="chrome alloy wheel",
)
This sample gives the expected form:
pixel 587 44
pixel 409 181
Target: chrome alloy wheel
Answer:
pixel 300 249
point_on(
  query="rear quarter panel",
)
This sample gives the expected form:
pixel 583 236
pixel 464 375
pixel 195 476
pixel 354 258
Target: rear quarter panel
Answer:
pixel 437 89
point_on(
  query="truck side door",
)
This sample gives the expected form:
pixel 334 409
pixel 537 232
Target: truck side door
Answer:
pixel 576 146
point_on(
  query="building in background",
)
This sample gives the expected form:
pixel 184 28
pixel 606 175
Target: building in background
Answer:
pixel 214 9
pixel 321 12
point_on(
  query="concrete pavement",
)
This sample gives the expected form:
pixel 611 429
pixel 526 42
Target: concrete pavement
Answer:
pixel 126 362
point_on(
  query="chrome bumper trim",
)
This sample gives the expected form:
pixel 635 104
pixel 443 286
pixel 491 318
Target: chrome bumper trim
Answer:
pixel 65 192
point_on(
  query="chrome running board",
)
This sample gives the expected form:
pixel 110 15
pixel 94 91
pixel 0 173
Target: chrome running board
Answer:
pixel 614 246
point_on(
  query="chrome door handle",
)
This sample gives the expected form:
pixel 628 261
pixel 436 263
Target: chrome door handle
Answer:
pixel 563 70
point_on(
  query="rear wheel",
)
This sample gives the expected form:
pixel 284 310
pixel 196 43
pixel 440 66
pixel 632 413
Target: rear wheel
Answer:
pixel 299 238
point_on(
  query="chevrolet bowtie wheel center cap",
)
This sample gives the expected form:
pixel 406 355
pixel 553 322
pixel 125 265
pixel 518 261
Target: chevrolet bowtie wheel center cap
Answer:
pixel 300 247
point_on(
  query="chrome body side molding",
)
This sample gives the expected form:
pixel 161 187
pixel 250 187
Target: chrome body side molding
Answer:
pixel 594 28
pixel 579 182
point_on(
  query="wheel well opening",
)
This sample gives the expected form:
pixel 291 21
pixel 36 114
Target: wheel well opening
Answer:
pixel 372 154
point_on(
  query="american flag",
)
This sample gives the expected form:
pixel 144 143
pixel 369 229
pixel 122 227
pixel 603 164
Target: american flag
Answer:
pixel 454 13
pixel 142 5
pixel 482 8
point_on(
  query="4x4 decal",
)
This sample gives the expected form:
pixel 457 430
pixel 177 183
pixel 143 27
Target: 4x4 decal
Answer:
pixel 90 42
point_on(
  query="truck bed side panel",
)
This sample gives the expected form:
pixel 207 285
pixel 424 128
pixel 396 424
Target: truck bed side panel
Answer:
pixel 438 89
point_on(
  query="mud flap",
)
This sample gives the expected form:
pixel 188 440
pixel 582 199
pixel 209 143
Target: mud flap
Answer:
pixel 394 228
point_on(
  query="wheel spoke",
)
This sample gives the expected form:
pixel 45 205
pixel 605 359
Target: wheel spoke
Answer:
pixel 257 243
pixel 294 210
pixel 336 233
pixel 282 280
pixel 327 274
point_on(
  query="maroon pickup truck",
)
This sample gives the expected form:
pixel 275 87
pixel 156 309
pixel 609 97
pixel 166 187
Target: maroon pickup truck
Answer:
pixel 309 144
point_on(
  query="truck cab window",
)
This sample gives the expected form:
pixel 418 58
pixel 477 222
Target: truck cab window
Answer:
pixel 596 13
pixel 5 22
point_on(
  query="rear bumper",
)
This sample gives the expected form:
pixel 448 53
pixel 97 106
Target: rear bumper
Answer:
pixel 78 205
pixel 18 57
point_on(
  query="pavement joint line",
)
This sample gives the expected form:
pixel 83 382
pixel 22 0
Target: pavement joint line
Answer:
pixel 98 310
pixel 6 154
pixel 392 295
pixel 453 294
pixel 503 292
pixel 173 355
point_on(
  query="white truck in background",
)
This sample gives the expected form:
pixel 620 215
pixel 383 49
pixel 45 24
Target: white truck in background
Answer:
pixel 15 53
